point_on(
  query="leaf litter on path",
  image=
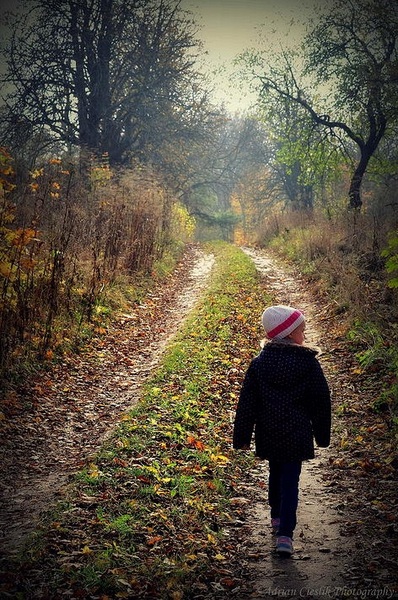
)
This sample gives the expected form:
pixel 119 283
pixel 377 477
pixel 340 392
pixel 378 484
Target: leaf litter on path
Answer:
pixel 63 416
pixel 346 535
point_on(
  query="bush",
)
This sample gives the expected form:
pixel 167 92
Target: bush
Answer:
pixel 65 238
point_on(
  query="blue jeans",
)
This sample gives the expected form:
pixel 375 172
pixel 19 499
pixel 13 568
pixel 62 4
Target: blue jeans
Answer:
pixel 283 492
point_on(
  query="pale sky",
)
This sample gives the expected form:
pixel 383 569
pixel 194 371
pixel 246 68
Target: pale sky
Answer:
pixel 228 27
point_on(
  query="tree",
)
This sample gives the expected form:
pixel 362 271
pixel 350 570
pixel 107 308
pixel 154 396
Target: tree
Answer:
pixel 233 148
pixel 350 59
pixel 299 151
pixel 111 76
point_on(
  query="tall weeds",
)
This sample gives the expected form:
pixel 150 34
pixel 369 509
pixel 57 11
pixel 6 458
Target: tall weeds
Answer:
pixel 343 253
pixel 352 259
pixel 64 239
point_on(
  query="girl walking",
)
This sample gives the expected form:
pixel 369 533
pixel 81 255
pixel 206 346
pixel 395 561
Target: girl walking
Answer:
pixel 285 400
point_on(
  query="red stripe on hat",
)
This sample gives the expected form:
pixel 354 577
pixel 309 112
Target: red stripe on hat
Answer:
pixel 282 326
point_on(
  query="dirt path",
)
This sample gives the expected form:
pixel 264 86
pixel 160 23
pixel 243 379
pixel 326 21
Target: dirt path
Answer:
pixel 333 558
pixel 320 557
pixel 64 417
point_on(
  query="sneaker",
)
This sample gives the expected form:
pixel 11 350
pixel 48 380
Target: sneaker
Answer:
pixel 275 524
pixel 284 545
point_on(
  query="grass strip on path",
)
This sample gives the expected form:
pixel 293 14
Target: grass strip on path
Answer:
pixel 147 518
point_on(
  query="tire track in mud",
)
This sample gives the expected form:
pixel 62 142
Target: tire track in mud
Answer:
pixel 76 405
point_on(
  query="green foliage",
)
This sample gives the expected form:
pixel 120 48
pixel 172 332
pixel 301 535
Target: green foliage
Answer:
pixel 391 255
pixel 347 89
pixel 375 351
pixel 304 161
pixel 368 336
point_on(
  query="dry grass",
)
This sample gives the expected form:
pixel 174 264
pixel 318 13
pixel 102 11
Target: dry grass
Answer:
pixel 65 239
pixel 342 254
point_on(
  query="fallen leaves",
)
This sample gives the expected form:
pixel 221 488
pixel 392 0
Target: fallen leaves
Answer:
pixel 150 512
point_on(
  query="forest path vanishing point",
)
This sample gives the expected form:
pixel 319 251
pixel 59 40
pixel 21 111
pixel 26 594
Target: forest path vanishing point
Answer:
pixel 336 555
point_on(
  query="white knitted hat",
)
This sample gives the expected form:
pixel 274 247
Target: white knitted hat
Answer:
pixel 280 321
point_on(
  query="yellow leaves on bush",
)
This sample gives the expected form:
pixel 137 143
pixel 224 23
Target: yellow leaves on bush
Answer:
pixel 55 187
pixel 12 244
pixel 5 269
pixel 6 171
pixel 183 223
pixel 22 237
pixel 100 175
pixel 37 173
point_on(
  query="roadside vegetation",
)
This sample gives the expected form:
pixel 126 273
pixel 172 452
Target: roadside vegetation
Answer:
pixel 351 261
pixel 114 160
pixel 148 517
pixel 74 249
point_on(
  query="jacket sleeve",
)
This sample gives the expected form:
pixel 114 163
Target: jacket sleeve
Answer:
pixel 320 406
pixel 245 416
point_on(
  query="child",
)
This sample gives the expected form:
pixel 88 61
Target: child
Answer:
pixel 286 399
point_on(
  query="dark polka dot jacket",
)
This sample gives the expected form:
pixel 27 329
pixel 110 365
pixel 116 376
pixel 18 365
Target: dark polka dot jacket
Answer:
pixel 285 399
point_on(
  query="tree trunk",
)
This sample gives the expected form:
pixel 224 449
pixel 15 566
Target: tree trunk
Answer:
pixel 354 194
pixel 367 151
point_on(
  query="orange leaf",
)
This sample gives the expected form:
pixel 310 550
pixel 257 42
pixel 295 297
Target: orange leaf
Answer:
pixel 191 441
pixel 154 540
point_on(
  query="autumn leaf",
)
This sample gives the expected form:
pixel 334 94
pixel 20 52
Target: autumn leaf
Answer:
pixel 5 269
pixel 23 236
pixel 219 458
pixel 154 540
pixel 93 470
pixel 100 330
pixel 191 441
